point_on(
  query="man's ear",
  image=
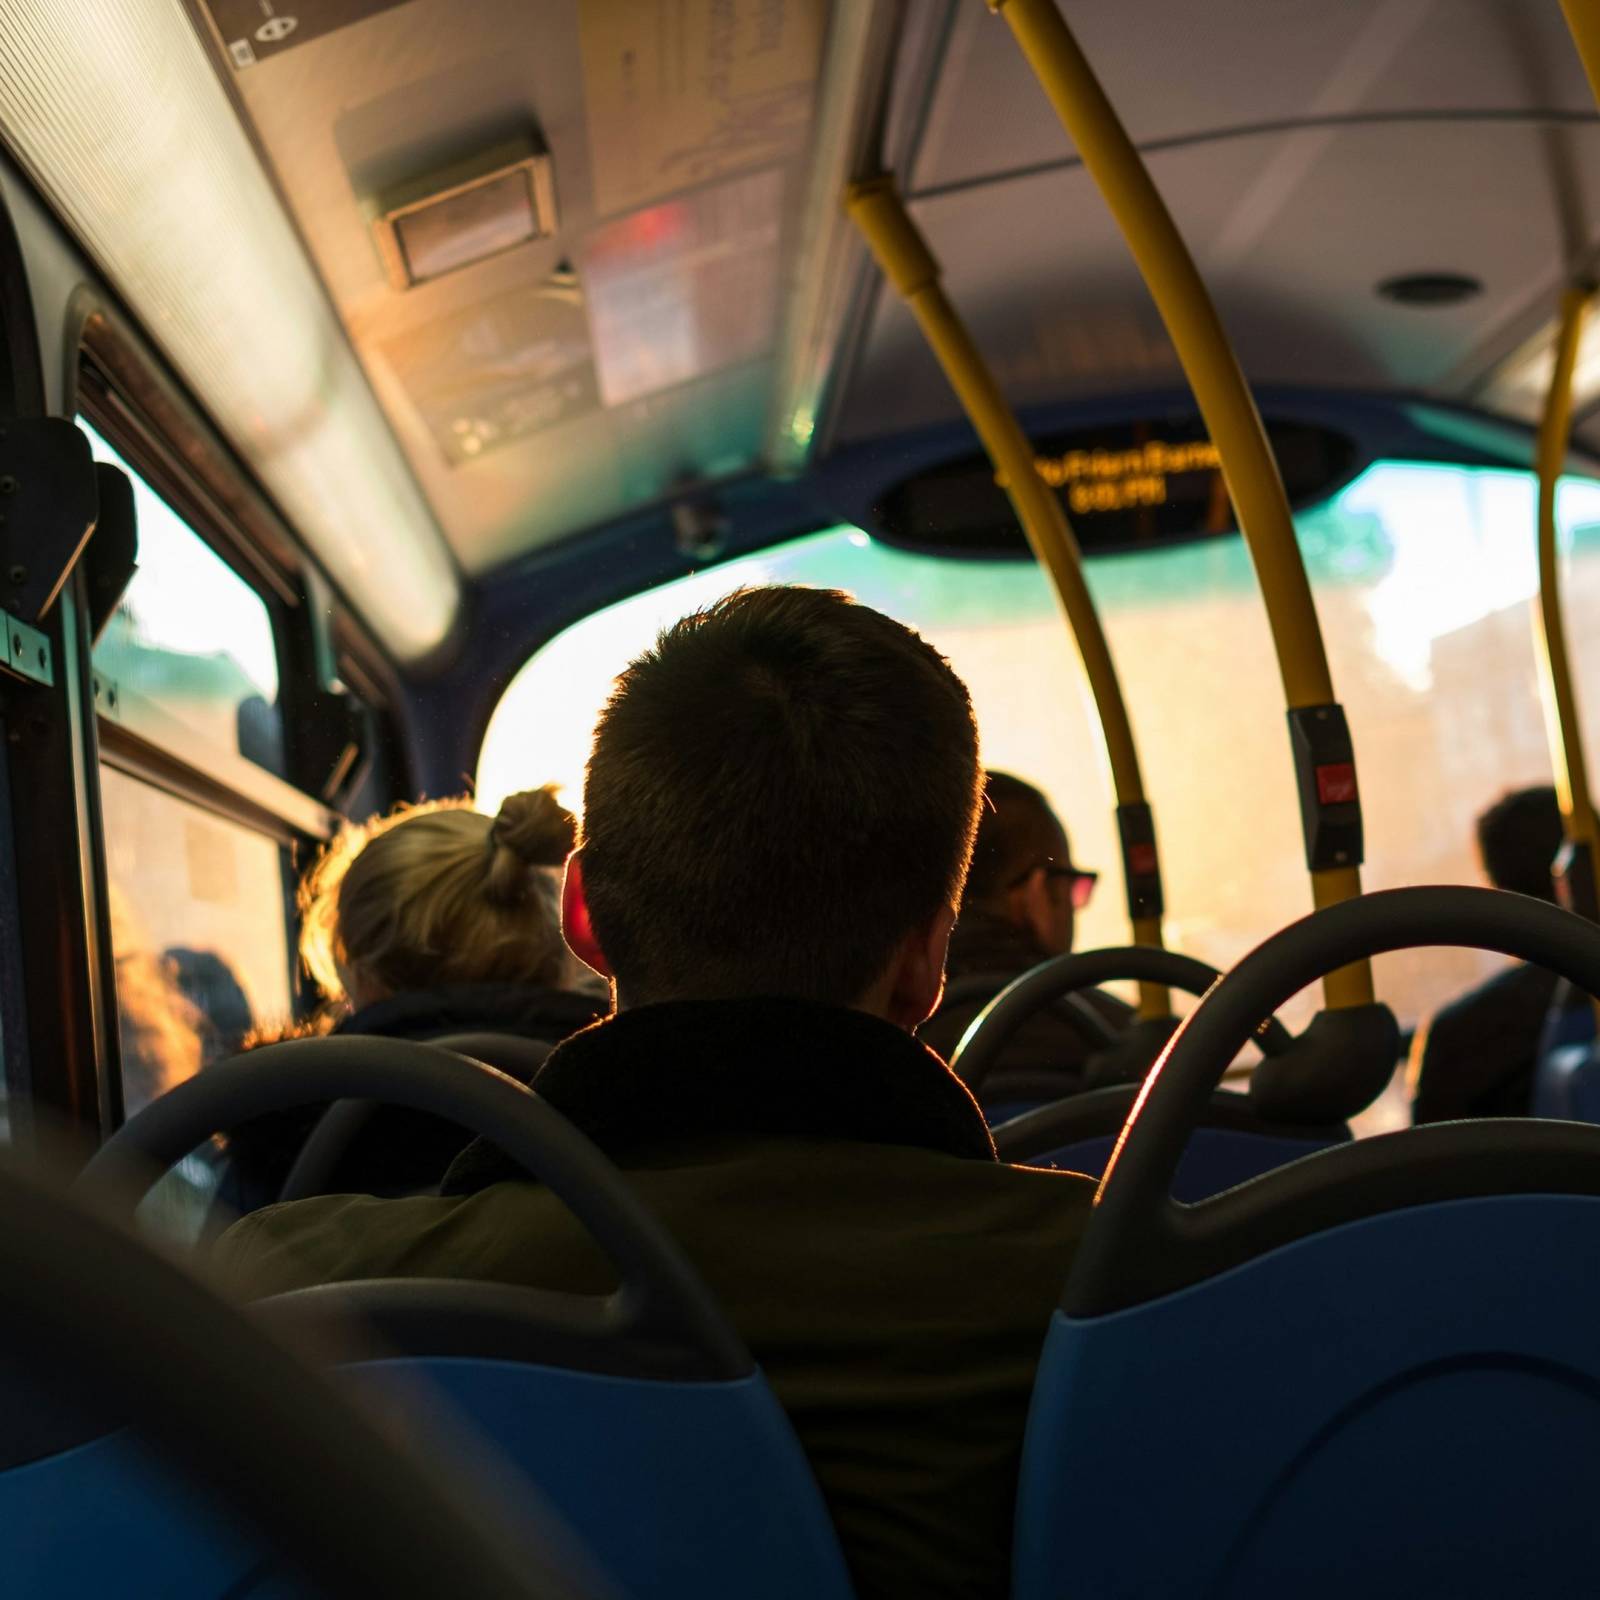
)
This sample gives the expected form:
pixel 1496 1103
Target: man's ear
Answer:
pixel 917 980
pixel 576 927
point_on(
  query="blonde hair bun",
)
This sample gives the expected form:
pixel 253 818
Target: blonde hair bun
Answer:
pixel 534 830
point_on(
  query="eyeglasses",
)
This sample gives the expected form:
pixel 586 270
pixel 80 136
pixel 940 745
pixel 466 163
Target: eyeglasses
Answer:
pixel 1082 883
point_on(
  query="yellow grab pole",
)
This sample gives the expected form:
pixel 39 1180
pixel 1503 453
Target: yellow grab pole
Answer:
pixel 905 260
pixel 1583 22
pixel 1562 724
pixel 1560 699
pixel 1248 466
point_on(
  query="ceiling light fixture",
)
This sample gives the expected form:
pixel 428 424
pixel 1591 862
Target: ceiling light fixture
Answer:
pixel 115 111
pixel 465 213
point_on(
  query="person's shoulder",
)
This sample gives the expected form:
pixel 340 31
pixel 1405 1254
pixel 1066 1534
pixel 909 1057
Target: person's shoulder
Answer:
pixel 321 1240
pixel 1516 989
pixel 986 1196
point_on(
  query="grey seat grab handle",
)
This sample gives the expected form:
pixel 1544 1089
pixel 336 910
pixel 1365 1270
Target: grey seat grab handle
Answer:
pixel 986 985
pixel 661 1291
pixel 317 1164
pixel 1141 1244
pixel 994 1027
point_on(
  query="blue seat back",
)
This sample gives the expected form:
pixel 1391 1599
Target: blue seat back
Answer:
pixel 681 1489
pixel 641 1412
pixel 1234 1144
pixel 1411 1400
pixel 106 1518
pixel 1562 1087
pixel 1214 1159
pixel 676 1489
pixel 1567 1084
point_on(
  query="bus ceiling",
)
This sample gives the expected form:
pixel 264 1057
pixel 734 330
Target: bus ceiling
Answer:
pixel 462 280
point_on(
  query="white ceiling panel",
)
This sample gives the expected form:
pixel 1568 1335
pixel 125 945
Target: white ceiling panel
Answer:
pixel 1293 226
pixel 676 135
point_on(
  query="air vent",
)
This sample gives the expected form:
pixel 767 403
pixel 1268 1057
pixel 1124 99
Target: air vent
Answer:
pixel 466 213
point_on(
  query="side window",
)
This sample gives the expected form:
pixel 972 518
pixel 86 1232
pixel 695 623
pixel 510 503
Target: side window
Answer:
pixel 191 636
pixel 200 931
pixel 198 821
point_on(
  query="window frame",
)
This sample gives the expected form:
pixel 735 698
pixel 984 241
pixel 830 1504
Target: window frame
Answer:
pixel 121 387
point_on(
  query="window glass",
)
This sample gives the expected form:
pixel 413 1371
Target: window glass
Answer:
pixel 191 635
pixel 199 929
pixel 1422 575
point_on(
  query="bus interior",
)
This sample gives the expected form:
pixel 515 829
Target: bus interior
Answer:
pixel 1210 384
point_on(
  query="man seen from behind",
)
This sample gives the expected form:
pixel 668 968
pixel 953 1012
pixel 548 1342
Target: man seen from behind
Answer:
pixel 778 815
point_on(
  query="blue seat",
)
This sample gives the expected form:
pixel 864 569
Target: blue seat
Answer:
pixel 1566 1083
pixel 1375 1369
pixel 680 1485
pixel 1214 1159
pixel 675 1466
pixel 155 1442
pixel 1079 1133
pixel 1413 1392
pixel 640 1416
pixel 152 1535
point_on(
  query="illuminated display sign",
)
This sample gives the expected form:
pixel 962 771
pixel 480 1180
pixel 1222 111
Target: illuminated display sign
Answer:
pixel 1113 480
pixel 1127 486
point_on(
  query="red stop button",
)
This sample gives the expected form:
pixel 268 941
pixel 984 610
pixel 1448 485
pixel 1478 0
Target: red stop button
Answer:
pixel 1336 783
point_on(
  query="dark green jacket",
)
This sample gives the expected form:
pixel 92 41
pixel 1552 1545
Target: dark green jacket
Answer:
pixel 838 1191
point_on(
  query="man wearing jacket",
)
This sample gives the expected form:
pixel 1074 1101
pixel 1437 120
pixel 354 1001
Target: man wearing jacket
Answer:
pixel 778 815
pixel 1022 899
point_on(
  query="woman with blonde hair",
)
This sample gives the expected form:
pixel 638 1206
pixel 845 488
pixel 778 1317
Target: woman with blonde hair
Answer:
pixel 433 921
pixel 438 919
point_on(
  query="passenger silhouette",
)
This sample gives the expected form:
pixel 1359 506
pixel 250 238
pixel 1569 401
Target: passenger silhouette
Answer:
pixel 1476 1057
pixel 1020 908
pixel 778 816
pixel 212 987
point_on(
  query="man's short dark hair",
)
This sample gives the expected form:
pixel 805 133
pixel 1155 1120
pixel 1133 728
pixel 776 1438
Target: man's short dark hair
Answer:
pixel 1519 837
pixel 1016 831
pixel 780 791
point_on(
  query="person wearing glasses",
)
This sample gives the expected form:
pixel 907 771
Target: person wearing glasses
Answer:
pixel 1022 900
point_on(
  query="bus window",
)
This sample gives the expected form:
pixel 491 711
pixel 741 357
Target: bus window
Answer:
pixel 190 635
pixel 200 930
pixel 1422 573
pixel 187 684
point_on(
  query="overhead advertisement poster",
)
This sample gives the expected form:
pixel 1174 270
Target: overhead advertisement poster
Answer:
pixel 684 91
pixel 684 288
pixel 490 374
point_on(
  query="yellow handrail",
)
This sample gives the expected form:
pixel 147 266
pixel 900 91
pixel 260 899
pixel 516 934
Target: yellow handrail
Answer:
pixel 1248 466
pixel 903 255
pixel 1563 726
pixel 1583 22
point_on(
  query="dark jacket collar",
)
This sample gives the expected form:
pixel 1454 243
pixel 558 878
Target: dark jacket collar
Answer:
pixel 739 1070
pixel 544 1014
